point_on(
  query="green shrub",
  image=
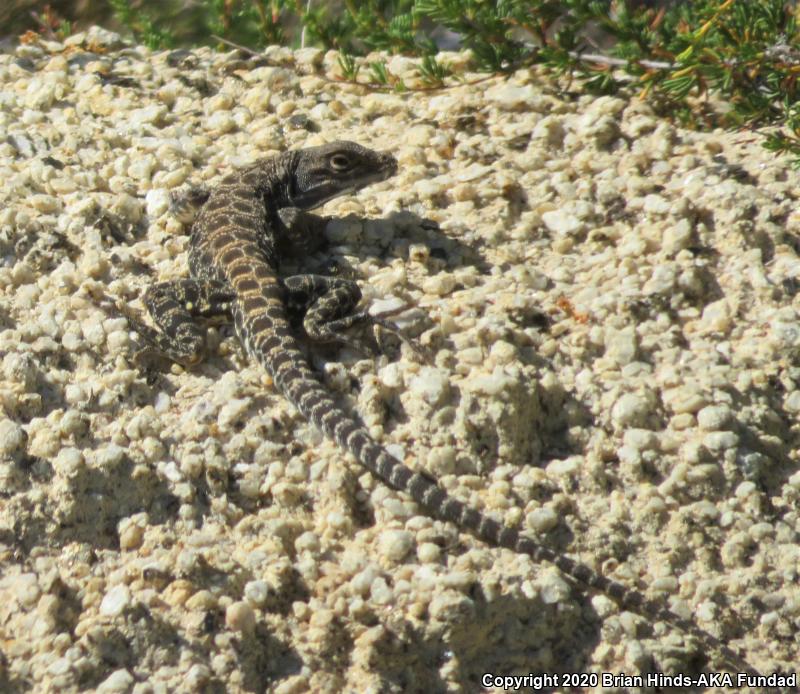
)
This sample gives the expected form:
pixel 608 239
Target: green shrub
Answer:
pixel 743 54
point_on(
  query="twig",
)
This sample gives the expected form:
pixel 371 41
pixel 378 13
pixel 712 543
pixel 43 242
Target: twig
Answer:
pixel 235 45
pixel 620 62
pixel 303 32
pixel 44 26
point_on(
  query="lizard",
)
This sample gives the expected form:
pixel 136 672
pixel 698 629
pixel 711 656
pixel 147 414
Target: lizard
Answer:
pixel 248 223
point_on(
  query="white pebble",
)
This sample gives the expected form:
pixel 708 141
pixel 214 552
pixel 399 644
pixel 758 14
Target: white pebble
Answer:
pixel 745 489
pixel 792 402
pixel 117 681
pixel 380 592
pixel 429 553
pixel 562 467
pixel 717 441
pixel 655 204
pixel 26 589
pixel 640 439
pixel 542 519
pixel 387 305
pixel 239 616
pixel 391 375
pixel 152 114
pixel 440 284
pixel 12 437
pixel 714 417
pixel 115 601
pixel 395 544
pixel 554 589
pixel 630 409
pixel 109 456
pixel 44 203
pixel 431 384
pixel 562 223
pixel 162 402
pixel 221 122
pixel 493 384
pixel 474 172
pixel 157 202
pixel 717 317
pixel 256 592
pixel 361 582
pixel 621 345
pixel 510 97
pixel 75 393
pixel 307 542
pixel 68 462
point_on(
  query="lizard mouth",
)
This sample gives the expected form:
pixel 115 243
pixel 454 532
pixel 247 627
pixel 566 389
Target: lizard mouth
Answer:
pixel 388 166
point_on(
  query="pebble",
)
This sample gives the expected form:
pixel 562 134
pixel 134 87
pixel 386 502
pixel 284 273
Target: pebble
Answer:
pixel 117 681
pixel 428 553
pixel 554 589
pixel 387 305
pixel 656 204
pixel 718 441
pixel 256 592
pixel 131 536
pixel 562 223
pixel 239 616
pixel 714 417
pixel 717 317
pixel 157 202
pixel 12 437
pixel 26 589
pixel 621 345
pixel 68 462
pixel 394 545
pixel 631 409
pixel 792 402
pixel 542 520
pixel 380 592
pixel 685 399
pixel 511 97
pixel 431 385
pixel 307 542
pixel 115 601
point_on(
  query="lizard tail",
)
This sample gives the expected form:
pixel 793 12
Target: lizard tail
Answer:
pixel 317 405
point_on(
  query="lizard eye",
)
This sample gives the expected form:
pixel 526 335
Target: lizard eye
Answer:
pixel 340 162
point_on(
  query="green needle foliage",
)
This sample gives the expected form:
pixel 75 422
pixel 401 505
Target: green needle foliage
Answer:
pixel 141 23
pixel 706 63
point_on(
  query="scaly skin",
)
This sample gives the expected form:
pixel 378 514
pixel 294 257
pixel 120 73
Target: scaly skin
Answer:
pixel 250 220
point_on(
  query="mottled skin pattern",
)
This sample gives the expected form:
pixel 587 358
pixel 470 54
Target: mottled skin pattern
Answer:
pixel 250 220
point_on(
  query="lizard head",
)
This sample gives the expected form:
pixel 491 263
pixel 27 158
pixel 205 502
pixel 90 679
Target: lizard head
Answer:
pixel 325 172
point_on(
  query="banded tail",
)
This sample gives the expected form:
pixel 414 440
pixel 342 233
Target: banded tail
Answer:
pixel 301 386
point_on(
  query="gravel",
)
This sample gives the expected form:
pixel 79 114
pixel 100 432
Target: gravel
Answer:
pixel 609 305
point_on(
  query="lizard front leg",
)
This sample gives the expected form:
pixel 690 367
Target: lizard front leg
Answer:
pixel 174 308
pixel 327 308
pixel 301 232
pixel 325 304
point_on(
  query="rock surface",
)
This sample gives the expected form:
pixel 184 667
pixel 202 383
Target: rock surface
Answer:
pixel 611 305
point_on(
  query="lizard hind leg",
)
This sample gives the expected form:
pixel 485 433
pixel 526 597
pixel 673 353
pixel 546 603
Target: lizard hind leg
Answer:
pixel 174 308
